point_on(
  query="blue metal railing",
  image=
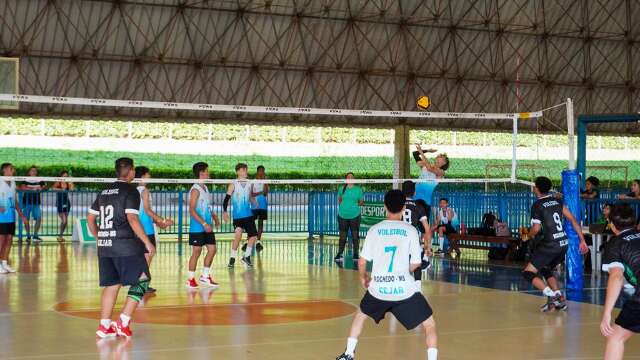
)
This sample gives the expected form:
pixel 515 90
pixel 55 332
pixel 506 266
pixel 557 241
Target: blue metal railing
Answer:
pixel 287 211
pixel 316 212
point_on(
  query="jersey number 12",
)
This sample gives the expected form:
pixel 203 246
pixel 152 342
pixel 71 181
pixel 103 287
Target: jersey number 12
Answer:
pixel 106 217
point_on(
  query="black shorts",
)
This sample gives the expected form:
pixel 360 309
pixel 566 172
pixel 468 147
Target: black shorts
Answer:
pixel 260 214
pixel 152 239
pixel 8 228
pixel 448 229
pixel 247 224
pixel 202 238
pixel 63 206
pixel 410 312
pixel 543 258
pixel 629 317
pixel 125 270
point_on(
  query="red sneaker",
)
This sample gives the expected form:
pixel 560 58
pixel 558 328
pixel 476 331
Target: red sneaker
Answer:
pixel 122 330
pixel 192 284
pixel 104 332
pixel 208 281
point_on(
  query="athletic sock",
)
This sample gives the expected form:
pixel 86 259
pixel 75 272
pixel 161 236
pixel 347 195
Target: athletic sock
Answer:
pixel 351 346
pixel 205 271
pixel 192 275
pixel 548 292
pixel 432 354
pixel 124 319
pixel 105 323
pixel 4 263
pixel 419 285
pixel 233 253
pixel 247 252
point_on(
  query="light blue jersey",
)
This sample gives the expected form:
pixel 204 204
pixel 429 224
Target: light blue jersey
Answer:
pixel 261 202
pixel 424 190
pixel 145 219
pixel 241 200
pixel 203 209
pixel 8 202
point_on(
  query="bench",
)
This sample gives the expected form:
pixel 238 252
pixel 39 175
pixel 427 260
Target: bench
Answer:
pixel 455 245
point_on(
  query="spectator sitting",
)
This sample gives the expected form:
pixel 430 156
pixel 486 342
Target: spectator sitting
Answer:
pixel 445 223
pixel 591 188
pixel 635 191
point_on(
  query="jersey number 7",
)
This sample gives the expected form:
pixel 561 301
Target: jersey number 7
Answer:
pixel 392 250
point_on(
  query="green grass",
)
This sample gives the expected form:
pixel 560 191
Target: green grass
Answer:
pixel 100 164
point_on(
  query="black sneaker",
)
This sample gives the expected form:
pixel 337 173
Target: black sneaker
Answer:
pixel 560 303
pixel 244 247
pixel 548 306
pixel 150 290
pixel 232 262
pixel 259 247
pixel 247 261
pixel 345 357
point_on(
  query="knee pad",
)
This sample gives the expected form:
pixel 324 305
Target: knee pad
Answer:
pixel 529 276
pixel 546 272
pixel 417 275
pixel 137 291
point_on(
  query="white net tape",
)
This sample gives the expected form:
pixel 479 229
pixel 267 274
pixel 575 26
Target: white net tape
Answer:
pixel 266 181
pixel 259 109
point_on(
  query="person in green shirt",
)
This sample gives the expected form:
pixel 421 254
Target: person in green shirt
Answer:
pixel 350 198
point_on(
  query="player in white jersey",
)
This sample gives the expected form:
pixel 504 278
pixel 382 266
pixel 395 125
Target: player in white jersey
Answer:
pixel 9 205
pixel 239 193
pixel 202 221
pixel 394 248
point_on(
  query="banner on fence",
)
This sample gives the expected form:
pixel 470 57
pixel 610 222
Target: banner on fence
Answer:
pixel 371 214
pixel 81 231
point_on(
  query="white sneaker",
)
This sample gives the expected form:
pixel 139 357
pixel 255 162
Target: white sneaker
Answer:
pixel 9 269
pixel 3 270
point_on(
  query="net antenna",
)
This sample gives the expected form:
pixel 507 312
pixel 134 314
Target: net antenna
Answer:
pixel 174 106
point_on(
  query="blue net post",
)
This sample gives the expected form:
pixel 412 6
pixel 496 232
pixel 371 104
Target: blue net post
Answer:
pixel 571 192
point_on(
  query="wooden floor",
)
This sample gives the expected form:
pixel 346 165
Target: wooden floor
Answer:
pixel 294 305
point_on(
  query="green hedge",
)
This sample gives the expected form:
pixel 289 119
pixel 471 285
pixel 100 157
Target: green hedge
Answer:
pixel 156 130
pixel 100 164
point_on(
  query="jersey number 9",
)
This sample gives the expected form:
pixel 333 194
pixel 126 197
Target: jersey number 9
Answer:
pixel 558 221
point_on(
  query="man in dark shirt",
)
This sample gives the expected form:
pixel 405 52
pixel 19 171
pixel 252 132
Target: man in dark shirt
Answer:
pixel 550 243
pixel 621 259
pixel 121 244
pixel 32 201
pixel 416 215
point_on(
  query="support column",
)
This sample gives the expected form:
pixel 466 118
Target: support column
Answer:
pixel 401 157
